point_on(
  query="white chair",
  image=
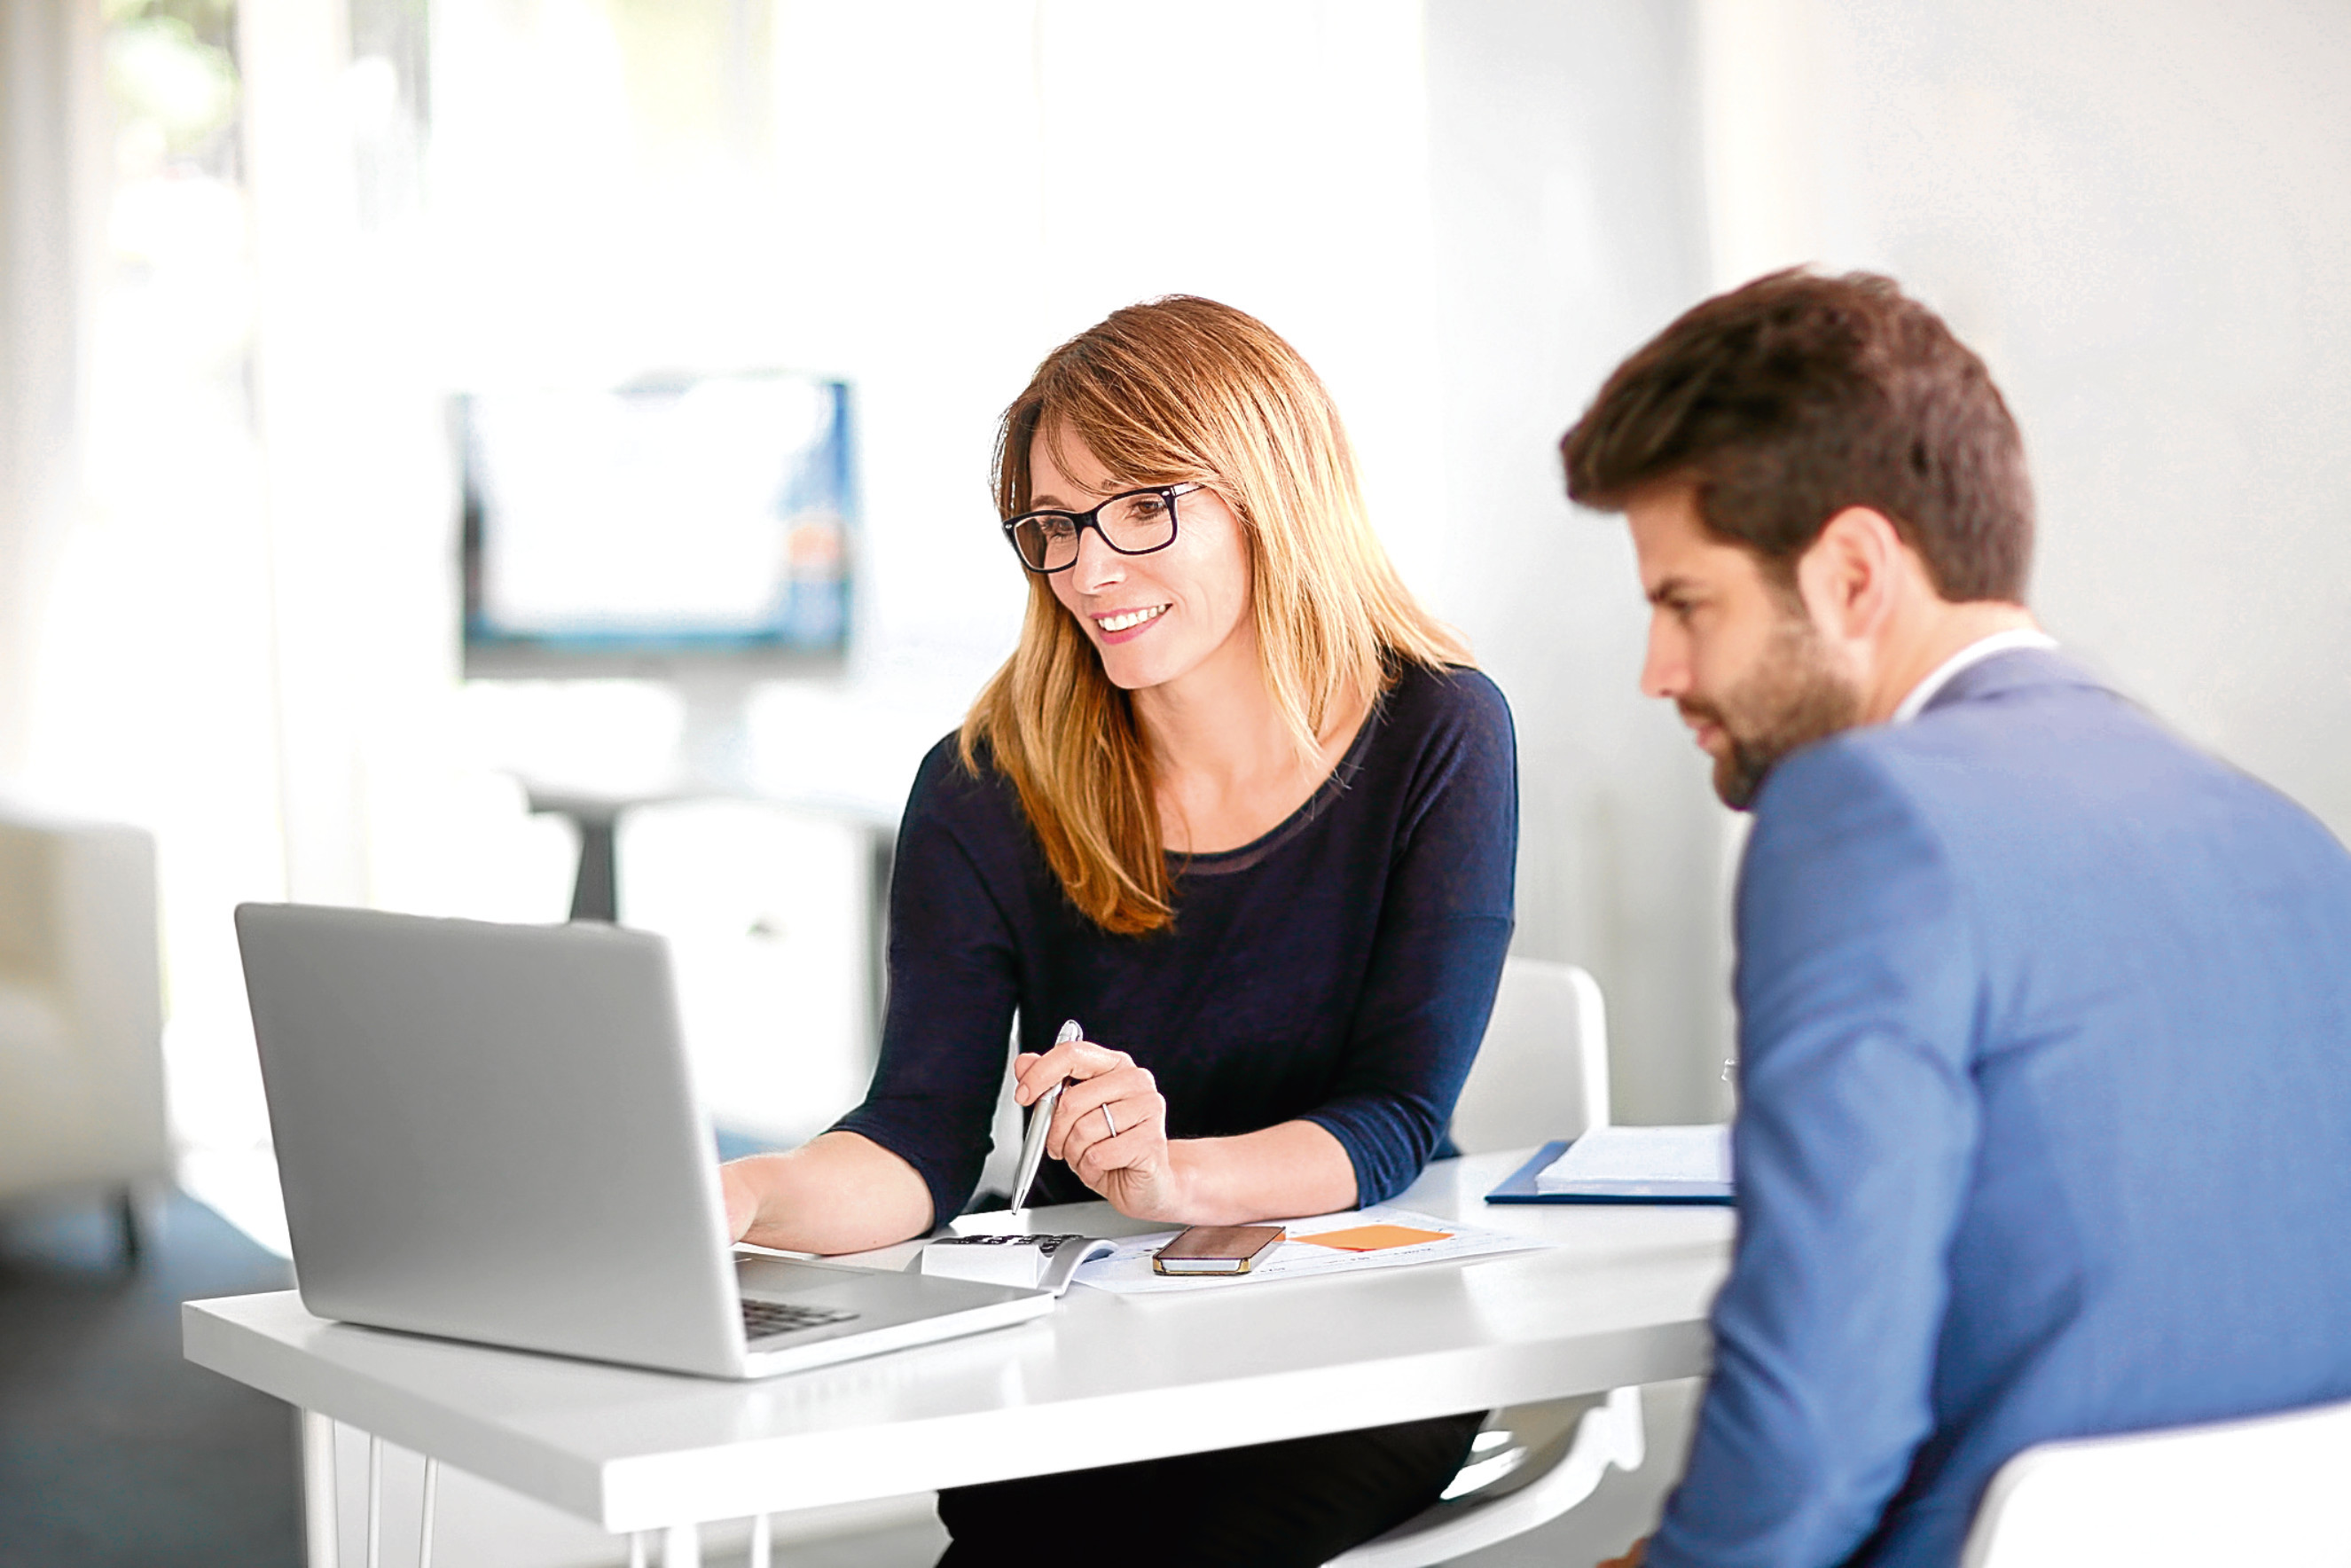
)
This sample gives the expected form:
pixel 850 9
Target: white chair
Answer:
pixel 1543 1068
pixel 2275 1490
pixel 1542 1073
pixel 81 1062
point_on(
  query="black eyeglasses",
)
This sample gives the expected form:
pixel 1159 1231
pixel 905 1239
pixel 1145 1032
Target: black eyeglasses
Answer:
pixel 1135 522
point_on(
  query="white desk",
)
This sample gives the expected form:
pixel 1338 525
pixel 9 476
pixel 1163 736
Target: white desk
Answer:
pixel 1620 1298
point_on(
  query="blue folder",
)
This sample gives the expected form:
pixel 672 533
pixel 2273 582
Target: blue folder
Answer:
pixel 1520 1186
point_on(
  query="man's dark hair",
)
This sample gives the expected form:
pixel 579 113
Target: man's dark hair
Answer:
pixel 1797 395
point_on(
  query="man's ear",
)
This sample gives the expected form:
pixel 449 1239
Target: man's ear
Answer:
pixel 1852 576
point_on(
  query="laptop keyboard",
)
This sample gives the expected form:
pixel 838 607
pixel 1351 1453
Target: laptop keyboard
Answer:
pixel 765 1319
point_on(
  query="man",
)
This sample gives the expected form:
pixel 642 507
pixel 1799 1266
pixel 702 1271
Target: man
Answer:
pixel 2044 1016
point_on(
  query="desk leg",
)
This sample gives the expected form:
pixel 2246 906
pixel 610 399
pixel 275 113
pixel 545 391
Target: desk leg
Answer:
pixel 321 1547
pixel 595 890
pixel 375 1503
pixel 682 1546
pixel 425 1525
pixel 596 894
pixel 762 1544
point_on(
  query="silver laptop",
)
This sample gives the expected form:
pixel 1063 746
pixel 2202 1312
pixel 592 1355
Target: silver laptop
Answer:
pixel 490 1132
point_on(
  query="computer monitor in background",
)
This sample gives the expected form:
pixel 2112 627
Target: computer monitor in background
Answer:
pixel 698 532
pixel 695 530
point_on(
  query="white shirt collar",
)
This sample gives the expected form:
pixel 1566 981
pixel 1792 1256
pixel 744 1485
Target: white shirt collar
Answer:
pixel 1974 653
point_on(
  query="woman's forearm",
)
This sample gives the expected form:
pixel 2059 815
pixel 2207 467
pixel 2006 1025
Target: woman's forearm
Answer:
pixel 1290 1169
pixel 840 1193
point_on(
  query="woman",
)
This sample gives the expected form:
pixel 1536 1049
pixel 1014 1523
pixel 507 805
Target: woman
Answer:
pixel 1238 804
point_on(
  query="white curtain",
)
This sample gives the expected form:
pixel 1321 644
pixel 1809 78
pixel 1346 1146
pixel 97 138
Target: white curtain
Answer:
pixel 50 140
pixel 227 605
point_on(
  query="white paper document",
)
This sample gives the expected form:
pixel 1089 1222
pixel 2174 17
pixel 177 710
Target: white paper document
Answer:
pixel 1640 1158
pixel 1127 1271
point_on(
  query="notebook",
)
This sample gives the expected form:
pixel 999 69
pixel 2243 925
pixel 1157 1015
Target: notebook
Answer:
pixel 1627 1165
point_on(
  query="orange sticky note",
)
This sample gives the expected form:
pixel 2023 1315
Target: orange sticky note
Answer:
pixel 1372 1238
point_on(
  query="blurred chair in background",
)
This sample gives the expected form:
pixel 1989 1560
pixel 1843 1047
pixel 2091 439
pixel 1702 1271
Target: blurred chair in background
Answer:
pixel 81 1018
pixel 2268 1491
pixel 449 838
pixel 1542 1073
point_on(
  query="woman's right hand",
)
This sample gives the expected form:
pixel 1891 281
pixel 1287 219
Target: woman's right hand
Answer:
pixel 1109 1126
pixel 1292 1167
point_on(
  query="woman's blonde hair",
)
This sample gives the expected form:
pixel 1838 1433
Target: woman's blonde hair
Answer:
pixel 1177 390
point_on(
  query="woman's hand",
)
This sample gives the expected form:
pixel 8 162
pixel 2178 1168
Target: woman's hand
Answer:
pixel 843 1193
pixel 1109 1126
pixel 742 1195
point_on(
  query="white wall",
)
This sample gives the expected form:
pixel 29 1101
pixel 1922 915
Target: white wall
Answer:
pixel 2140 213
pixel 1571 220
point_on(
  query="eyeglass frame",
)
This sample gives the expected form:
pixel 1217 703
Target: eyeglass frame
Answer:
pixel 1081 521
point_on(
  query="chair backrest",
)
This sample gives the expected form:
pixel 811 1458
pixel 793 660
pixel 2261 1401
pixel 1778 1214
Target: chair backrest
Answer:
pixel 81 1069
pixel 2275 1489
pixel 1542 1072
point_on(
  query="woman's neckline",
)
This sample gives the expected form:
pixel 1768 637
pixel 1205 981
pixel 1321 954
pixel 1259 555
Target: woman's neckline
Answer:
pixel 1215 862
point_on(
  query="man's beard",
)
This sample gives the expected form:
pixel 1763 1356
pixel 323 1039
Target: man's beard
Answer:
pixel 1794 697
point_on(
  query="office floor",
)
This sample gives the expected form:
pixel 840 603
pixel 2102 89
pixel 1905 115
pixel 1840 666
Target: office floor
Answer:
pixel 113 1451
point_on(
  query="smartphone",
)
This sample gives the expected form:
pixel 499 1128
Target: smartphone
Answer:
pixel 1217 1249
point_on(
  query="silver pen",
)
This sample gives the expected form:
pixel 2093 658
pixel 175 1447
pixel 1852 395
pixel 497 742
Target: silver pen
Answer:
pixel 1040 1121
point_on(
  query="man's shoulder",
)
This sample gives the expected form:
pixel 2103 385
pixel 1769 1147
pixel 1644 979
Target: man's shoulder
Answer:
pixel 2011 729
pixel 1996 777
pixel 2031 757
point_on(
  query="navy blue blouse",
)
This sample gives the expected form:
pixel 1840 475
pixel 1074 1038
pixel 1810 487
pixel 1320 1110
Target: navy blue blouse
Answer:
pixel 1340 969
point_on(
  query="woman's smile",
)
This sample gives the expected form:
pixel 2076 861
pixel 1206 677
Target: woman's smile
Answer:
pixel 1125 625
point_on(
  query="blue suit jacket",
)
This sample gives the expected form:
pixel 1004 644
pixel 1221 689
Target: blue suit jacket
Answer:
pixel 2045 1117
